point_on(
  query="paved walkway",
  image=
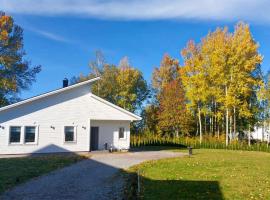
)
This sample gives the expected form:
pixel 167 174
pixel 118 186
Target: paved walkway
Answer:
pixel 95 178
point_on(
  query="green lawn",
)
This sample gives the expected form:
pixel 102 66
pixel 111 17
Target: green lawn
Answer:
pixel 208 174
pixel 14 171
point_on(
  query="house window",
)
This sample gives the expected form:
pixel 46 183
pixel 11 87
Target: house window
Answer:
pixel 121 133
pixel 30 134
pixel 69 134
pixel 15 134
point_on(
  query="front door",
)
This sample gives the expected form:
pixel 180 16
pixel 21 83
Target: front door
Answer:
pixel 94 139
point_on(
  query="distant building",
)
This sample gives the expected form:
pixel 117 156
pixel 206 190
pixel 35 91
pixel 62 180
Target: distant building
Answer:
pixel 261 133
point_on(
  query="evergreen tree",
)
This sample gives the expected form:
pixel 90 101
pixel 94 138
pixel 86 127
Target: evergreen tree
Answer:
pixel 16 73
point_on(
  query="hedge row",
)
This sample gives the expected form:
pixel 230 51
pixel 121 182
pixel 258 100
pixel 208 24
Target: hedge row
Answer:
pixel 208 142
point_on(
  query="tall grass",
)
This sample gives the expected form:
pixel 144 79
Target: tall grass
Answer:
pixel 208 142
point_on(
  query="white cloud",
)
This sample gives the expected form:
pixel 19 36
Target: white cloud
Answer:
pixel 229 10
pixel 51 36
pixel 48 35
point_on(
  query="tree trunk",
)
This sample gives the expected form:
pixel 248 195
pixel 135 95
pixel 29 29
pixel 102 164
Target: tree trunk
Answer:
pixel 227 120
pixel 268 126
pixel 218 130
pixel 264 121
pixel 177 132
pixel 200 123
pixel 205 128
pixel 249 135
pixel 210 125
pixel 221 125
pixel 230 129
pixel 197 128
pixel 263 129
pixel 212 117
pixel 234 121
pixel 215 118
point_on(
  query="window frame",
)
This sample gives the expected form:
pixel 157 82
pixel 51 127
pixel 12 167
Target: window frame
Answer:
pixel 36 134
pixel 124 133
pixel 21 135
pixel 74 136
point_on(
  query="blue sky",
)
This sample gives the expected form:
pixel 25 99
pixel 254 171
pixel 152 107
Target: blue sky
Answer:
pixel 63 36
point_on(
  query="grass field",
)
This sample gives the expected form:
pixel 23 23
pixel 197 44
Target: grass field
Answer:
pixel 14 171
pixel 208 174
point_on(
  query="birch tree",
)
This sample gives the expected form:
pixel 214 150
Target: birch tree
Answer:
pixel 194 80
pixel 221 74
pixel 122 85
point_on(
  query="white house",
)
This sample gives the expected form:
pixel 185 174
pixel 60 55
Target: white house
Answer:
pixel 70 119
pixel 261 133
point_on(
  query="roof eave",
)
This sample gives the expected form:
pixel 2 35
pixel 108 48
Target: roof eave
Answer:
pixel 134 116
pixel 49 94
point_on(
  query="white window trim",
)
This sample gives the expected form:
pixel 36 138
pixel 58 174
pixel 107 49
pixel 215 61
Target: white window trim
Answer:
pixel 125 133
pixel 36 135
pixel 21 136
pixel 75 135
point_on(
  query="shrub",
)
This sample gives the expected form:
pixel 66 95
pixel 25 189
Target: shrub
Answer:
pixel 209 142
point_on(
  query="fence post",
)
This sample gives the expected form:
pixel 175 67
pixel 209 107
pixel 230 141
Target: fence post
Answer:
pixel 138 184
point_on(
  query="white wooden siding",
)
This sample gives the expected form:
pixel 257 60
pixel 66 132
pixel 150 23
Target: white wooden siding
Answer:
pixel 108 133
pixel 74 107
pixel 261 134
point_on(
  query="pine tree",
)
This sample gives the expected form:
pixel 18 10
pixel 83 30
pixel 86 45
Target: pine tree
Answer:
pixel 16 73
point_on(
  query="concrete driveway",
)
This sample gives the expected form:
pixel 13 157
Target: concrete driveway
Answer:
pixel 94 178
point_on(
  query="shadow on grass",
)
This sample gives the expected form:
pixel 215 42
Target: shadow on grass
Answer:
pixel 171 189
pixel 20 170
pixel 182 189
